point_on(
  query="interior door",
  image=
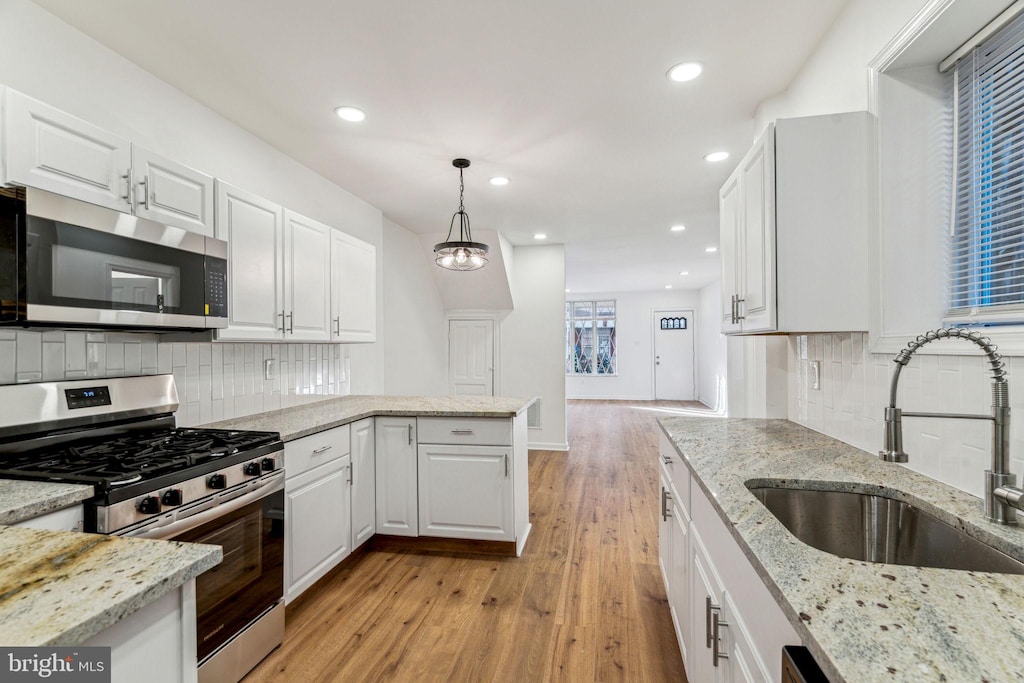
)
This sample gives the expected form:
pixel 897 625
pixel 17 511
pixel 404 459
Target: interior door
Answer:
pixel 673 355
pixel 471 357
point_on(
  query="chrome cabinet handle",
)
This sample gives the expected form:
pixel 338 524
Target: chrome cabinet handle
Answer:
pixel 410 434
pixel 322 449
pixel 462 431
pixel 291 323
pixel 127 196
pixel 145 192
pixel 667 460
pixel 506 465
pixel 735 300
pixel 738 302
pixel 337 326
pixel 709 608
pixel 716 652
pixel 350 474
pixel 282 320
pixel 665 495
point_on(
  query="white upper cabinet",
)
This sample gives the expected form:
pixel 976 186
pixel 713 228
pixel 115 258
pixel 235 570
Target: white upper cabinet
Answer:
pixel 54 151
pixel 796 218
pixel 168 192
pixel 307 278
pixel 354 289
pixel 254 231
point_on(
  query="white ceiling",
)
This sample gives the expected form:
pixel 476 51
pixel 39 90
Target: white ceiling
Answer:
pixel 568 98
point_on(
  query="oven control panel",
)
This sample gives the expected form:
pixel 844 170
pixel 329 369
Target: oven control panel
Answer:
pixel 87 397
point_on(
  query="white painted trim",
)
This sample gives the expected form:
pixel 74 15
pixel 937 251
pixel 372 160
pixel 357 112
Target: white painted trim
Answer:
pixel 609 398
pixel 539 446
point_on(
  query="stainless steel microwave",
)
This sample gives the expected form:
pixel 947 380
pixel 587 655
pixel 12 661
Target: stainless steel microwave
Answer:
pixel 67 263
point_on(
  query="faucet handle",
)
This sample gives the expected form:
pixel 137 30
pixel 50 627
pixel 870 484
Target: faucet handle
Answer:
pixel 893 451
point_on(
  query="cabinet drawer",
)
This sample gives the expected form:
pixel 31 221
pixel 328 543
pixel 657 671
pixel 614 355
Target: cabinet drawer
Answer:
pixel 486 431
pixel 302 455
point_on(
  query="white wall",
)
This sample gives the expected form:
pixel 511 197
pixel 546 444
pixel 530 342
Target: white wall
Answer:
pixel 634 338
pixel 532 338
pixel 855 381
pixel 712 373
pixel 415 337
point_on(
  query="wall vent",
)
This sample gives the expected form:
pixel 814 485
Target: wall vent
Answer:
pixel 533 415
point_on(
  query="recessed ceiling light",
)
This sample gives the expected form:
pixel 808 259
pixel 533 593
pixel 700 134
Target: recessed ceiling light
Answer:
pixel 567 291
pixel 711 250
pixel 351 114
pixel 716 156
pixel 687 71
pixel 678 228
pixel 499 181
pixel 684 272
pixel 540 236
pixel 668 286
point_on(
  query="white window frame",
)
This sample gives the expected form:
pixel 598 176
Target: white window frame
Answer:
pixel 570 318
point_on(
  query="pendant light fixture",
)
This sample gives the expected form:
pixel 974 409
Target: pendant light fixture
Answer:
pixel 464 253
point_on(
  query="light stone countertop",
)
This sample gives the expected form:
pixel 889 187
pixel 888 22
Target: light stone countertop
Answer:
pixel 60 588
pixel 319 415
pixel 862 621
pixel 21 500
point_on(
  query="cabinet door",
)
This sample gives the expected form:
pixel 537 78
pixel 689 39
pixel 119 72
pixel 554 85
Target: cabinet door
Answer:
pixel 354 290
pixel 397 510
pixel 757 235
pixel 466 492
pixel 253 229
pixel 171 193
pixel 364 482
pixel 704 586
pixel 729 215
pixel 318 523
pixel 54 151
pixel 744 664
pixel 307 278
pixel 665 536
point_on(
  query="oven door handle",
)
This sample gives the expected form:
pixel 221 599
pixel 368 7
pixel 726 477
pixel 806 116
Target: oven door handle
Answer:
pixel 271 485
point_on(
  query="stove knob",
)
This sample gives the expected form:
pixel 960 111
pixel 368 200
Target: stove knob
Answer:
pixel 268 464
pixel 150 505
pixel 217 481
pixel 172 497
pixel 251 469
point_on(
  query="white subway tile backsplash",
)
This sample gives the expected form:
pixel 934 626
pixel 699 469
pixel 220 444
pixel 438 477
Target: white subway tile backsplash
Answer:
pixel 53 359
pixel 8 361
pixel 855 389
pixel 29 361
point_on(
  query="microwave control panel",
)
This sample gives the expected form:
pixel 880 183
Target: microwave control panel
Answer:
pixel 216 287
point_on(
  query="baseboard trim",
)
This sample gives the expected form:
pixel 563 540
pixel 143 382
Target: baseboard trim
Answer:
pixel 538 446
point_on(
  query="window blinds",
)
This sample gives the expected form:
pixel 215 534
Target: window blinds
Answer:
pixel 986 245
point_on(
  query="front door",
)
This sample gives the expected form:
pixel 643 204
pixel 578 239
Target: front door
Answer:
pixel 673 355
pixel 471 357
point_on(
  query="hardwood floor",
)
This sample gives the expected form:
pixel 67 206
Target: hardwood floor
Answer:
pixel 585 602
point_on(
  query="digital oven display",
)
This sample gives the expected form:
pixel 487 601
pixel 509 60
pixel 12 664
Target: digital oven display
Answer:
pixel 88 397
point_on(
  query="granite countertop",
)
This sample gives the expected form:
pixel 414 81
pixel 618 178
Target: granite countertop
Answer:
pixel 862 621
pixel 319 415
pixel 60 588
pixel 21 500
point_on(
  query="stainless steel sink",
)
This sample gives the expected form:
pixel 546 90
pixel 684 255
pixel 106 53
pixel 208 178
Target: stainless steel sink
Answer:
pixel 872 528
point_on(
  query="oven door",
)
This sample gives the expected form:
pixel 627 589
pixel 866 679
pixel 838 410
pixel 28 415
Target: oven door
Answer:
pixel 249 581
pixel 88 265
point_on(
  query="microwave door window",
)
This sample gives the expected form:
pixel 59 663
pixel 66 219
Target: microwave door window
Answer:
pixel 122 282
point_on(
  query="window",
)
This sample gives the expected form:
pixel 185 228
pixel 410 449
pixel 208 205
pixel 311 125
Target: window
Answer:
pixel 986 242
pixel 590 338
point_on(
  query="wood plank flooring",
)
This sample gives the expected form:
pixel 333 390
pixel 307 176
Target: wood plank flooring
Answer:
pixel 585 602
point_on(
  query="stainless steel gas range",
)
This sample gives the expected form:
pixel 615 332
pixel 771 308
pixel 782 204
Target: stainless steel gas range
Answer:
pixel 153 480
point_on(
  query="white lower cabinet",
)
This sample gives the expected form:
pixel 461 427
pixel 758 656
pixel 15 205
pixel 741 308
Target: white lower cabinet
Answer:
pixel 364 482
pixel 397 506
pixel 466 492
pixel 730 628
pixel 318 507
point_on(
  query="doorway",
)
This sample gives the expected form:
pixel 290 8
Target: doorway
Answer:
pixel 674 355
pixel 471 357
